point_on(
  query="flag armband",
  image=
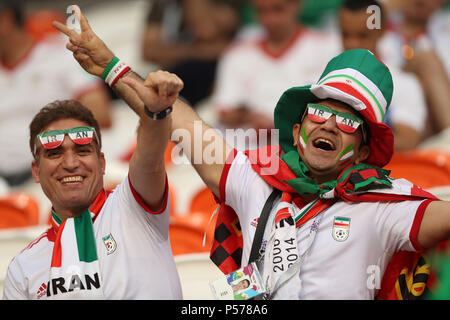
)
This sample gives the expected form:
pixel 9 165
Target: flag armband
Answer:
pixel 114 71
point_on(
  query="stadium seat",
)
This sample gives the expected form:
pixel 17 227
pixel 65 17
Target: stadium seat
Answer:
pixel 187 232
pixel 173 199
pixel 422 167
pixel 18 210
pixel 203 201
pixel 167 155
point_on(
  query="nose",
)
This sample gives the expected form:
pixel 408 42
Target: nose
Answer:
pixel 330 125
pixel 71 160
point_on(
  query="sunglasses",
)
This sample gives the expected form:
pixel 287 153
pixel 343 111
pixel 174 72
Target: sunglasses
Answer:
pixel 54 138
pixel 345 121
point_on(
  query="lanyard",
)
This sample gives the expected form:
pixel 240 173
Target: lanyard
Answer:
pixel 295 267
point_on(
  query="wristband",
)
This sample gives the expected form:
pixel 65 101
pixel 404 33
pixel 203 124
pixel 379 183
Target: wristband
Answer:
pixel 114 71
pixel 158 115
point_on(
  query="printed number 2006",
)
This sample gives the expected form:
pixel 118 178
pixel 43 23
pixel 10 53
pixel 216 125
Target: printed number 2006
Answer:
pixel 278 259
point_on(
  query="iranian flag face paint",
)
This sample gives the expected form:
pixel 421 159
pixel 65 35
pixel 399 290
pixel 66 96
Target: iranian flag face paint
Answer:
pixel 303 139
pixel 346 154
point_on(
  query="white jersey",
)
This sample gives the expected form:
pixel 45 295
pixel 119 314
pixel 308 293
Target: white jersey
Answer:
pixel 250 75
pixel 437 34
pixel 48 72
pixel 133 249
pixel 408 105
pixel 347 267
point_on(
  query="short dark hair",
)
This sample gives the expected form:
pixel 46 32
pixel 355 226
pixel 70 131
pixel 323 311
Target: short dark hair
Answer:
pixel 356 5
pixel 58 110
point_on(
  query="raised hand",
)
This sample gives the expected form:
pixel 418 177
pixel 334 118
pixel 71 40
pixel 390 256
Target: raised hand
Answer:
pixel 88 49
pixel 159 91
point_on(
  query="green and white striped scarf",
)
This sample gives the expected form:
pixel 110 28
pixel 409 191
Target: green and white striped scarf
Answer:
pixel 74 271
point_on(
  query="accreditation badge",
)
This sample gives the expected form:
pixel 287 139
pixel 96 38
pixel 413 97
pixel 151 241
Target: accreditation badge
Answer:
pixel 242 284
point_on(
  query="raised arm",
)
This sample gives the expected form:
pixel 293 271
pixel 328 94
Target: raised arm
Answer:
pixel 159 91
pixel 204 147
pixel 94 56
pixel 147 171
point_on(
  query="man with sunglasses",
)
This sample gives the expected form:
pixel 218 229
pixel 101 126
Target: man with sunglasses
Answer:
pixel 102 244
pixel 340 219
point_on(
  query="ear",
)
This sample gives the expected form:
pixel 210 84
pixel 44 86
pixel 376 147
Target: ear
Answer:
pixel 296 133
pixel 363 154
pixel 35 171
pixel 103 162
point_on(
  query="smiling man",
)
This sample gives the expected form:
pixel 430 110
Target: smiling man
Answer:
pixel 72 182
pixel 340 216
pixel 102 244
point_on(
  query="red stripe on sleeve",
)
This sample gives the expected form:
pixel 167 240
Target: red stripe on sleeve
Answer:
pixel 144 206
pixel 416 224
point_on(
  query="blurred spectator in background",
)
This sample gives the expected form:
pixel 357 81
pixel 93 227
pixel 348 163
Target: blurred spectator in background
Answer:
pixel 254 72
pixel 314 13
pixel 186 37
pixel 418 40
pixel 32 73
pixel 415 24
pixel 408 111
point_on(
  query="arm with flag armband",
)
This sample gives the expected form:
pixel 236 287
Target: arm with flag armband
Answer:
pixel 97 59
pixel 151 99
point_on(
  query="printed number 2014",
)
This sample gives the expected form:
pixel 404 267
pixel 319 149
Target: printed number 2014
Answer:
pixel 277 259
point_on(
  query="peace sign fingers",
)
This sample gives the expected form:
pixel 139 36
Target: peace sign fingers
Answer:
pixel 85 44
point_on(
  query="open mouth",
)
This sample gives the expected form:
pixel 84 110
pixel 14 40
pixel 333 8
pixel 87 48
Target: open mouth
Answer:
pixel 324 144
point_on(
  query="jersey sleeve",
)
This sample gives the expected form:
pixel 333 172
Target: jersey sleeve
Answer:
pixel 398 223
pixel 133 209
pixel 241 187
pixel 13 288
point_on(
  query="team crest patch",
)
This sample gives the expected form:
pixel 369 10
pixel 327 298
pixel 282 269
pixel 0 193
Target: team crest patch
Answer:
pixel 341 228
pixel 110 243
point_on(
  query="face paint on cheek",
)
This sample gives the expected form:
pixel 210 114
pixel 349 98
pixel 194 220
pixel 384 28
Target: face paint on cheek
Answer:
pixel 347 152
pixel 303 139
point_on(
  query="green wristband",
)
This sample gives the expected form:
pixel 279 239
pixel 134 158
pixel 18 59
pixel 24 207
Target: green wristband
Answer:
pixel 109 67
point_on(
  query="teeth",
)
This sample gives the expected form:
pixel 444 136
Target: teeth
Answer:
pixel 72 179
pixel 322 140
